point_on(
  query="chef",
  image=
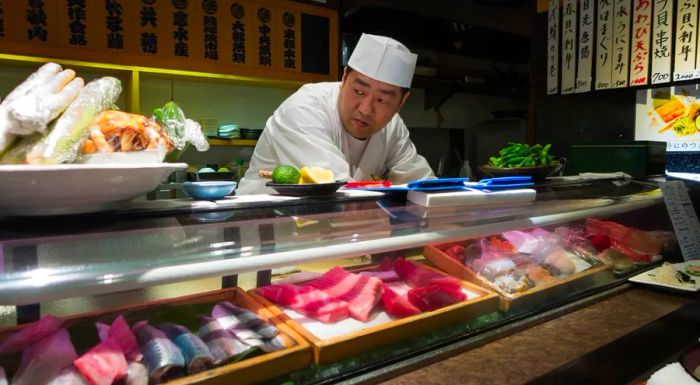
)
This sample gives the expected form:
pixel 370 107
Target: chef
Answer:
pixel 351 127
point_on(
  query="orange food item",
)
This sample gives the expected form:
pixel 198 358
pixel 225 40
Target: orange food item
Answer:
pixel 114 130
pixel 671 110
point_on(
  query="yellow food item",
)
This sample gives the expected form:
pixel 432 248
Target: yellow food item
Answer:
pixel 315 174
pixel 671 110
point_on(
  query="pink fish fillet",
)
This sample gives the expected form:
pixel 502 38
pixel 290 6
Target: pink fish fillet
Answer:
pixel 30 334
pixel 120 331
pixel 361 292
pixel 435 296
pixel 307 300
pixel 103 364
pixel 42 361
pixel 417 276
pixel 397 305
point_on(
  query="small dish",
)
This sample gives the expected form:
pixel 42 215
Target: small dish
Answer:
pixel 211 176
pixel 209 190
pixel 537 173
pixel 306 190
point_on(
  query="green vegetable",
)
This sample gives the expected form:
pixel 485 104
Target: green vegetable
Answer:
pixel 693 270
pixel 684 125
pixel 286 174
pixel 522 155
pixel 172 119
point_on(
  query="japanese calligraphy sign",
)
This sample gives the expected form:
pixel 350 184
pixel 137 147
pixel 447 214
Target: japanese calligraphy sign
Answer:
pixel 251 37
pixel 585 45
pixel 686 40
pixel 621 42
pixel 553 47
pixel 661 41
pixel 604 45
pixel 568 53
pixel 641 30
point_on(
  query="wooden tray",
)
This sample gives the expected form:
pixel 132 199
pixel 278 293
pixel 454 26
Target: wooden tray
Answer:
pixel 354 343
pixel 511 301
pixel 184 310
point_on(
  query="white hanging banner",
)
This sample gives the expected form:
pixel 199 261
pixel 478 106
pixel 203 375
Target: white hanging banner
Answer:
pixel 661 42
pixel 641 30
pixel 686 36
pixel 553 47
pixel 568 51
pixel 585 46
pixel 621 42
pixel 604 48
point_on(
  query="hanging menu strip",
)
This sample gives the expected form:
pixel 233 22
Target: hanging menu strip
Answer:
pixel 661 42
pixel 585 46
pixel 686 36
pixel 568 54
pixel 641 30
pixel 603 68
pixel 621 42
pixel 683 216
pixel 553 47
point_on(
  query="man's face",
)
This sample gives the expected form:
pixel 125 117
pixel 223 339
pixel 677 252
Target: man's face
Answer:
pixel 366 105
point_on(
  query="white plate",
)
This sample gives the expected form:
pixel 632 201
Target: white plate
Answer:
pixel 648 277
pixel 76 188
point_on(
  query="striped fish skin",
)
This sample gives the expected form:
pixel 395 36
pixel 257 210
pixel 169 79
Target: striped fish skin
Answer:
pixel 234 317
pixel 137 374
pixel 275 344
pixel 196 353
pixel 222 344
pixel 161 356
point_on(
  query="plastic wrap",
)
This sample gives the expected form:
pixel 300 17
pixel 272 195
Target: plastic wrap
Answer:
pixel 179 129
pixel 66 133
pixel 7 121
pixel 40 105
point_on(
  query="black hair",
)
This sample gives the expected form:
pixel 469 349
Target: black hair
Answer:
pixel 349 69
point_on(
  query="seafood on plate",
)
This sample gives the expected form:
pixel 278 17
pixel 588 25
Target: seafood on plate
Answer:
pixel 114 130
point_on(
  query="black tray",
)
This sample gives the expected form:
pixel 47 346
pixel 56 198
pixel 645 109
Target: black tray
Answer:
pixel 306 190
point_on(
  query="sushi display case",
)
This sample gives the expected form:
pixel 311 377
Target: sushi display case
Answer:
pixel 489 269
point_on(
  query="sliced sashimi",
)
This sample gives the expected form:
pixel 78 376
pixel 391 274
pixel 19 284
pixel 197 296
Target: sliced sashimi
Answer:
pixel 47 325
pixel 385 276
pixel 307 300
pixel 197 356
pixel 103 364
pixel 120 331
pixel 361 293
pixel 397 305
pixel 162 358
pixel 43 361
pixel 231 316
pixel 433 297
pixel 418 276
pixel 221 343
pixel 137 374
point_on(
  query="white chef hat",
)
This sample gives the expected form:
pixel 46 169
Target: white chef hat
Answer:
pixel 383 59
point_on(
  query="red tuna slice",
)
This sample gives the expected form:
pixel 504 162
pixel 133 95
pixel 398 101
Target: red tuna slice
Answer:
pixel 361 293
pixel 120 331
pixel 455 252
pixel 417 276
pixel 433 297
pixel 386 264
pixel 47 325
pixel 307 300
pixel 43 360
pixel 397 305
pixel 385 276
pixel 103 364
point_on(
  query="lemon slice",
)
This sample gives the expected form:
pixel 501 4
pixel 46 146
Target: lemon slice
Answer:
pixel 315 174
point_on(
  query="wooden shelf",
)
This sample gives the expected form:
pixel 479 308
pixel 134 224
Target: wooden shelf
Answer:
pixel 233 142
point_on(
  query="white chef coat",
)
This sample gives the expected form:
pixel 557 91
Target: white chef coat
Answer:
pixel 306 130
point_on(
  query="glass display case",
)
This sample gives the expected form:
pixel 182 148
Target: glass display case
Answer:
pixel 607 230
